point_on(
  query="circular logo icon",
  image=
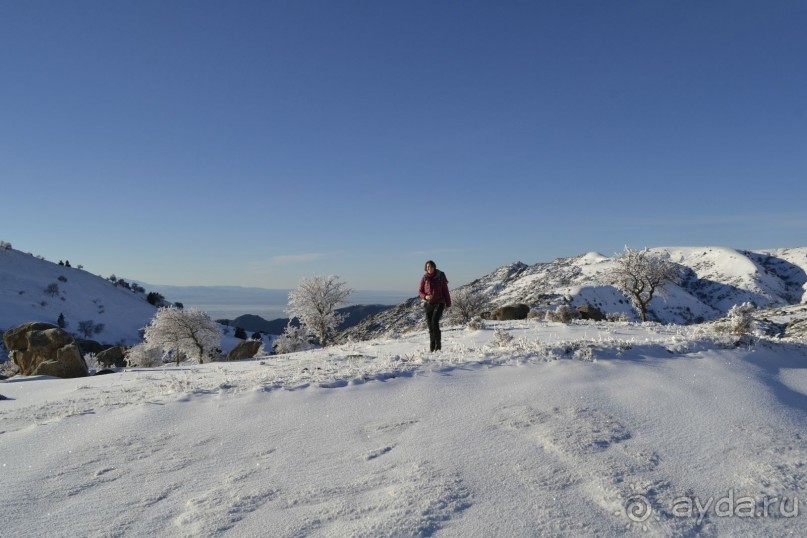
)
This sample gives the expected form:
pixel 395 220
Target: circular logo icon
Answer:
pixel 638 508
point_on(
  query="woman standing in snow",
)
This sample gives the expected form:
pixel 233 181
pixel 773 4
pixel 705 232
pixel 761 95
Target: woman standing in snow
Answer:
pixel 434 291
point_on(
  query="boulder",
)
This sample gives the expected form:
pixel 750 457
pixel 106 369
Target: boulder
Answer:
pixel 44 349
pixel 113 356
pixel 593 313
pixel 244 350
pixel 513 311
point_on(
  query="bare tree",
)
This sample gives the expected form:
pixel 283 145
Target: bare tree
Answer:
pixel 86 327
pixel 314 303
pixel 639 274
pixel 467 304
pixel 190 333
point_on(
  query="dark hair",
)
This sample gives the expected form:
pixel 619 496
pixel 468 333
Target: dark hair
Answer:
pixel 429 262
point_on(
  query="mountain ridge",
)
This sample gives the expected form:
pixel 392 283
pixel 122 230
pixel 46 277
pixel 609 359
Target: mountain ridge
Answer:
pixel 713 280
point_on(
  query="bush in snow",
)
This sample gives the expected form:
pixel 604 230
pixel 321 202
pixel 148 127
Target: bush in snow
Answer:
pixel 189 333
pixel 89 360
pixel 87 328
pixel 5 246
pixel 143 356
pixel 292 340
pixel 52 289
pixel 476 323
pixel 502 338
pixel 466 305
pixel 562 314
pixel 9 368
pixel 616 316
pixel 314 303
pixel 154 298
pixel 584 354
pixel 739 320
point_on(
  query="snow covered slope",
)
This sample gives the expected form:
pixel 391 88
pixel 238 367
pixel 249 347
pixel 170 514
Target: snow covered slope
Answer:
pixel 586 429
pixel 33 289
pixel 714 279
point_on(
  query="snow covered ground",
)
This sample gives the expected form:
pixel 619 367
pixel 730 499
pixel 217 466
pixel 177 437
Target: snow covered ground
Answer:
pixel 567 430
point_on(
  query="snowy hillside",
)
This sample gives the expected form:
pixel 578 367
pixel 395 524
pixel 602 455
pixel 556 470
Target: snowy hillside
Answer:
pixel 33 289
pixel 714 280
pixel 587 429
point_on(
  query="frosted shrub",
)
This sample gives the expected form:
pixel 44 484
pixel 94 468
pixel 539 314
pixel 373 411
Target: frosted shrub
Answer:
pixel 502 338
pixel 739 320
pixel 562 314
pixel 9 367
pixel 476 323
pixel 90 361
pixel 144 356
pixel 616 316
pixel 584 354
pixel 466 305
pixel 292 340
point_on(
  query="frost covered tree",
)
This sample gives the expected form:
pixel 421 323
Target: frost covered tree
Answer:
pixel 190 333
pixel 639 274
pixel 292 340
pixel 467 304
pixel 314 303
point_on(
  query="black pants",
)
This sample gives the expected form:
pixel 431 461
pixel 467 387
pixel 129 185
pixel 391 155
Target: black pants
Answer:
pixel 433 314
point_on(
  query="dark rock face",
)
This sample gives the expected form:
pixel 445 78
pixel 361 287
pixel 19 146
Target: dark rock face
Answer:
pixel 244 350
pixel 113 356
pixel 512 311
pixel 593 313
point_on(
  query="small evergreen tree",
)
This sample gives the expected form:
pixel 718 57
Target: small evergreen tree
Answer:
pixel 240 333
pixel 61 322
pixel 155 298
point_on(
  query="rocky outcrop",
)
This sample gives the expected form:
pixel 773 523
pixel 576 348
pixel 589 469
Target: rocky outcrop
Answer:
pixel 244 350
pixel 513 311
pixel 44 349
pixel 113 356
pixel 593 313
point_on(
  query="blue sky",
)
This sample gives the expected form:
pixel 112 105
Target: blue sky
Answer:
pixel 257 143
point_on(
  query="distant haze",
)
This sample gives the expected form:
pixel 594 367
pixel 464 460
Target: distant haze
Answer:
pixel 229 302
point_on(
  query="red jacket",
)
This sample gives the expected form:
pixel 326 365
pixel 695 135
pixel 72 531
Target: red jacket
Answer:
pixel 436 286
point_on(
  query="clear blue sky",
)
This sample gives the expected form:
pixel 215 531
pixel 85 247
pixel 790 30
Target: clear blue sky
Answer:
pixel 256 143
